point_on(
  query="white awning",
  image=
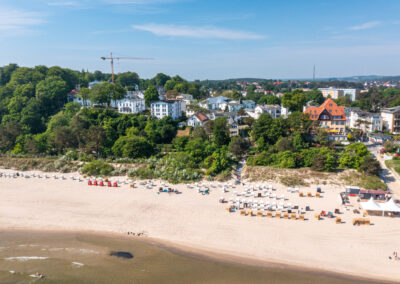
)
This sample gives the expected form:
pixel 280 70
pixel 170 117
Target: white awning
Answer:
pixel 390 206
pixel 371 205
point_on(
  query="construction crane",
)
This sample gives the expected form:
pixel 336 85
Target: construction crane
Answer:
pixel 111 58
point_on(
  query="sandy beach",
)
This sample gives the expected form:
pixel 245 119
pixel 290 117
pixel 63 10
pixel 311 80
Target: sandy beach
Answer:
pixel 199 222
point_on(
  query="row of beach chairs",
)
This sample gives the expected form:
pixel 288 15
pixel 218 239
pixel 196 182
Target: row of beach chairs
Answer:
pixel 309 194
pixel 284 215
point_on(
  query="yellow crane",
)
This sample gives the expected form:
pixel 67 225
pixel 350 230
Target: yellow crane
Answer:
pixel 112 58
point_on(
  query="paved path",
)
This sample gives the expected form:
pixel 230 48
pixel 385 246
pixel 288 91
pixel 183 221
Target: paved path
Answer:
pixel 389 176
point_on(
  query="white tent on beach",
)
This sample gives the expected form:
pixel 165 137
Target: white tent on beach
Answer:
pixel 390 206
pixel 370 205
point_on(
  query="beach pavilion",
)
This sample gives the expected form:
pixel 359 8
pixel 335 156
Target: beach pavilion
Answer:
pixel 371 206
pixel 390 207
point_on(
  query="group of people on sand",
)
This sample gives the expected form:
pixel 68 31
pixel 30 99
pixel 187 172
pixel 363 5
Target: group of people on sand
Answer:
pixel 140 234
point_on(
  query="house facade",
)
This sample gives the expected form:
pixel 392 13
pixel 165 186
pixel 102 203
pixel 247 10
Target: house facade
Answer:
pixel 197 119
pixel 391 119
pixel 162 109
pixel 131 104
pixel 336 93
pixel 366 121
pixel 215 103
pixel 330 116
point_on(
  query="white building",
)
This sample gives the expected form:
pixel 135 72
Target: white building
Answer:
pixel 273 110
pixel 197 119
pixel 366 121
pixel 162 109
pixel 336 93
pixel 131 104
pixel 215 103
pixel 139 94
pixel 186 98
pixel 391 119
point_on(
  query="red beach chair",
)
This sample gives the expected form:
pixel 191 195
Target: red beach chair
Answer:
pixel 95 182
pixel 101 183
pixel 89 182
pixel 115 184
pixel 109 184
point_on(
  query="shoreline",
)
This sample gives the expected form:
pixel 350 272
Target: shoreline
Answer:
pixel 195 224
pixel 218 256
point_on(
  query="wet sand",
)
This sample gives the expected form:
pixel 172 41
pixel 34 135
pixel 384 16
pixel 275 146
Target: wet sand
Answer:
pixel 85 258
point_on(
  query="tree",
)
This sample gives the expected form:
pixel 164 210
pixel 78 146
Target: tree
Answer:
pixel 106 92
pixel 370 166
pixel 315 96
pixel 132 147
pixel 318 162
pixel 180 143
pixel 52 94
pixel 63 138
pixel 94 139
pixel 127 79
pixel 84 94
pixel 322 138
pixel 8 134
pixel 218 161
pixel 344 101
pixel 220 131
pixel 238 146
pixel 353 156
pixel 151 95
pixel 285 144
pixel 269 100
pixel 294 100
pixel 199 132
pixel 160 79
pixel 269 129
pixel 198 149
pixel 115 91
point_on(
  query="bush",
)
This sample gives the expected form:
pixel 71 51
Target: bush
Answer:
pixel 370 166
pixel 97 168
pixel 318 163
pixel 389 146
pixel 175 168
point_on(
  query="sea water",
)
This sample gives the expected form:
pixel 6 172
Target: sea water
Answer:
pixel 85 258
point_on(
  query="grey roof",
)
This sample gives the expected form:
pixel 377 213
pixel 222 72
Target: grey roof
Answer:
pixel 391 109
pixel 218 100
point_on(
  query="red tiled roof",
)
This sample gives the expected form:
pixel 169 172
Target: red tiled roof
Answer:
pixel 329 107
pixel 201 116
pixel 373 191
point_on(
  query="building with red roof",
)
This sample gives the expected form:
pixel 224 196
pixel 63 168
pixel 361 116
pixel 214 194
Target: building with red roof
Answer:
pixel 330 116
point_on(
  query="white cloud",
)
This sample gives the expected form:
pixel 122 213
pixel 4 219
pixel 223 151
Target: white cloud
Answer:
pixel 65 3
pixel 365 26
pixel 14 21
pixel 196 32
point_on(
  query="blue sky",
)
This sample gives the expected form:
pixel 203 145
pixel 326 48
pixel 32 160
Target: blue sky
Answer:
pixel 202 39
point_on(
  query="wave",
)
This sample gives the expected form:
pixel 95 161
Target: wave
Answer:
pixel 25 258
